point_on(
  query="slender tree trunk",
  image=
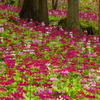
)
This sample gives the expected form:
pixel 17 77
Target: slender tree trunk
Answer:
pixel 72 20
pixel 99 21
pixel 55 5
pixel 43 12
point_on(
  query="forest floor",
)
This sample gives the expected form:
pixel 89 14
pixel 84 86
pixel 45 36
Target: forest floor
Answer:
pixel 43 63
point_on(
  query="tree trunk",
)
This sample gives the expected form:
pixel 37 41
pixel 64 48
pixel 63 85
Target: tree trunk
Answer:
pixel 72 20
pixel 20 3
pixel 43 12
pixel 99 21
pixel 36 10
pixel 55 5
pixel 29 10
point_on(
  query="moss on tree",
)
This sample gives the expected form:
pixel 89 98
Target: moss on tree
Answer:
pixel 90 29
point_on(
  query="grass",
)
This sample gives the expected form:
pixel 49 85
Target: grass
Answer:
pixel 42 63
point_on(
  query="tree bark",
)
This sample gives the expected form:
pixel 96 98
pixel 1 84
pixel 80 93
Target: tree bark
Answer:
pixel 29 10
pixel 43 12
pixel 72 20
pixel 55 5
pixel 36 10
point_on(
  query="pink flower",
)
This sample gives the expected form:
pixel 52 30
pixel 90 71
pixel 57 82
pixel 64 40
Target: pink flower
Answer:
pixel 54 79
pixel 82 80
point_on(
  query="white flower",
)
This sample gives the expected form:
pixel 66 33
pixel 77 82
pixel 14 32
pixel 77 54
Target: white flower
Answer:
pixel 98 77
pixel 54 79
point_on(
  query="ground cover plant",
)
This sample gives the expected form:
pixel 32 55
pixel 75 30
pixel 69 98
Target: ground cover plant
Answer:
pixel 42 63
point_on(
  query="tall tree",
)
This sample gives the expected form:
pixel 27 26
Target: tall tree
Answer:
pixel 99 21
pixel 43 12
pixel 29 10
pixel 55 4
pixel 72 20
pixel 36 10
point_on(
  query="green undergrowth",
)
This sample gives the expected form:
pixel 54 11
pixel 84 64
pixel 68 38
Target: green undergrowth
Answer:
pixel 73 78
